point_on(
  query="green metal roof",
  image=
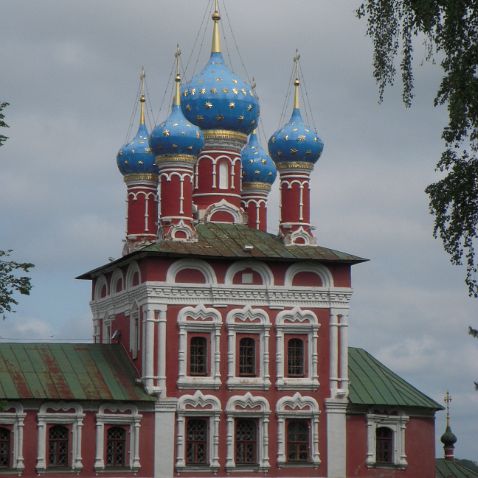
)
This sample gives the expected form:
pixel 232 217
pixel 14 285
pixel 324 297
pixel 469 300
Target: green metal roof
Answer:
pixel 371 383
pixel 234 241
pixel 453 469
pixel 67 372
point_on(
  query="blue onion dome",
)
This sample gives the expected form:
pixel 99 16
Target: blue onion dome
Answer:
pixel 176 136
pixel 257 165
pixel 295 142
pixel 216 98
pixel 136 157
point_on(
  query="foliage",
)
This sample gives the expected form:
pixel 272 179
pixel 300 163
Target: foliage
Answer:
pixel 2 123
pixel 450 32
pixel 11 282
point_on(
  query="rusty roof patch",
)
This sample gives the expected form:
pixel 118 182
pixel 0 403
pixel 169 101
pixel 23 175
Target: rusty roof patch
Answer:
pixel 67 372
pixel 232 241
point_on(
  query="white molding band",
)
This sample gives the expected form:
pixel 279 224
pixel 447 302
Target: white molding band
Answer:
pixel 16 420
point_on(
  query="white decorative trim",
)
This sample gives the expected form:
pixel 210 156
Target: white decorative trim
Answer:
pixel 198 264
pixel 290 239
pixel 262 269
pixel 396 423
pixel 173 229
pixel 204 320
pixel 224 206
pixel 115 278
pixel 132 269
pixel 248 406
pixel 100 283
pixel 339 375
pixel 298 406
pixel 254 321
pixel 16 421
pixel 61 414
pixel 126 416
pixel 297 321
pixel 322 271
pixel 198 405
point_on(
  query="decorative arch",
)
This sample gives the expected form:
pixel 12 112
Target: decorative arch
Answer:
pixel 13 415
pixel 133 268
pixel 115 278
pixel 300 237
pixel 100 283
pixel 200 265
pixel 319 269
pixel 224 207
pixel 262 269
pixel 198 403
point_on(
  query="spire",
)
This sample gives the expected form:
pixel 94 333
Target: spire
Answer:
pixel 448 438
pixel 296 81
pixel 177 95
pixel 142 99
pixel 216 39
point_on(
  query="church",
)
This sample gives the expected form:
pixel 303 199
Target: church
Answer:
pixel 220 349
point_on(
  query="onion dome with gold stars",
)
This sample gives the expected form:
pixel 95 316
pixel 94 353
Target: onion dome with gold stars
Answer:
pixel 136 157
pixel 257 165
pixel 217 98
pixel 176 135
pixel 295 142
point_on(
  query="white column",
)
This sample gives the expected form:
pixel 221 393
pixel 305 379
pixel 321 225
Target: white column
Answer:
pixel 19 462
pixel 403 454
pixel 265 443
pixel 334 353
pixel 315 442
pixel 215 442
pixel 280 440
pixel 217 355
pixel 148 342
pixel 41 465
pixel 336 437
pixel 315 357
pixel 231 351
pixel 162 330
pixel 165 412
pixel 370 460
pixel 280 357
pixel 344 353
pixel 265 345
pixel 99 459
pixel 230 462
pixel 135 465
pixel 180 430
pixel 78 464
pixel 182 353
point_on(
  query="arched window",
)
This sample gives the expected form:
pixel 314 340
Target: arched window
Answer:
pixel 116 447
pixel 384 440
pixel 223 175
pixel 295 358
pixel 246 441
pixel 5 451
pixel 197 441
pixel 58 446
pixel 198 356
pixel 298 440
pixel 247 357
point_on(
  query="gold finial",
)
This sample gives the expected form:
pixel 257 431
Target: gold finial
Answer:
pixel 447 400
pixel 177 95
pixel 296 81
pixel 216 38
pixel 142 99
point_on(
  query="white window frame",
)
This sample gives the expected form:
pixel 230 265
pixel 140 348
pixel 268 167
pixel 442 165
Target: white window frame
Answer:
pixel 14 421
pixel 397 423
pixel 126 416
pixel 298 407
pixel 248 406
pixel 254 322
pixel 195 406
pixel 60 415
pixel 297 322
pixel 204 320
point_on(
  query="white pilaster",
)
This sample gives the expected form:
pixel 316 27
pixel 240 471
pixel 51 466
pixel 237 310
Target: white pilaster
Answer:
pixel 162 350
pixel 336 437
pixel 165 411
pixel 148 375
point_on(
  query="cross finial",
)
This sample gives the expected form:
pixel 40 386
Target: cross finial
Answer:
pixel 177 54
pixel 177 95
pixel 142 99
pixel 253 84
pixel 296 81
pixel 447 400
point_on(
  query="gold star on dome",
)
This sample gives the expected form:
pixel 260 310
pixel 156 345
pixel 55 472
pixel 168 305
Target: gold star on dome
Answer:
pixel 203 91
pixel 294 151
pixel 286 137
pixel 140 163
pixel 218 78
pixel 240 118
pixel 225 90
pixel 219 117
pixel 176 124
pixel 190 148
pixel 186 92
pixel 235 82
pixel 213 91
pixel 263 161
pixel 148 150
pixel 166 132
pixel 198 135
pixel 273 139
pixel 235 91
pixel 193 91
pixel 244 92
pixel 232 105
pixel 199 117
pixel 188 107
pixel 250 107
pixel 301 137
pixel 208 105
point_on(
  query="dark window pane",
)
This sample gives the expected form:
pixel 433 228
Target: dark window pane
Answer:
pixel 295 358
pixel 197 441
pixel 247 357
pixel 116 447
pixel 58 446
pixel 246 441
pixel 298 436
pixel 198 356
pixel 384 437
pixel 4 448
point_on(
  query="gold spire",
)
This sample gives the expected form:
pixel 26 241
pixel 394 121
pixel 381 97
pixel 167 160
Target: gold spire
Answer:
pixel 447 400
pixel 177 95
pixel 142 99
pixel 296 81
pixel 216 38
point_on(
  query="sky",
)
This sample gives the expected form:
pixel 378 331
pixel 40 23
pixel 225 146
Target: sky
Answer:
pixel 70 72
